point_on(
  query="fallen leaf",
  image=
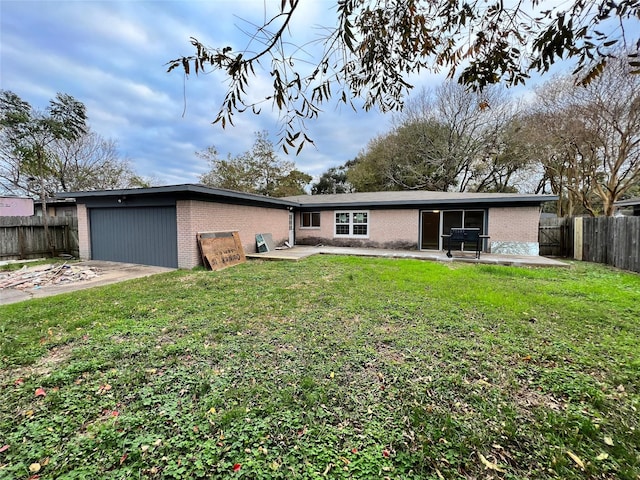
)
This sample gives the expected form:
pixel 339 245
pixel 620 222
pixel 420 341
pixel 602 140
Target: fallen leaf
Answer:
pixel 144 448
pixel 123 458
pixel 332 374
pixel 158 442
pixel 439 474
pixel 490 465
pixel 354 450
pixel 104 388
pixel 4 448
pixel 40 392
pixel 34 468
pixel 385 453
pixel 576 459
pixel 18 382
pixel 236 467
pixel 608 441
pixel 212 410
pixel 602 456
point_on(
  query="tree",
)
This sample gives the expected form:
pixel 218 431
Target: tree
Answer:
pixel 591 139
pixel 375 46
pixel 414 156
pixel 29 135
pixel 447 138
pixel 334 180
pixel 84 161
pixel 258 171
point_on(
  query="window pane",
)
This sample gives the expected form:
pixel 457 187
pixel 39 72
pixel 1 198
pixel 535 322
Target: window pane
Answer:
pixel 342 218
pixel 305 219
pixel 360 229
pixel 360 217
pixel 315 219
pixel 474 219
pixel 342 229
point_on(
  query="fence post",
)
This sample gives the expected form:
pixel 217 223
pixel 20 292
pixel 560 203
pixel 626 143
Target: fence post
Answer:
pixel 577 238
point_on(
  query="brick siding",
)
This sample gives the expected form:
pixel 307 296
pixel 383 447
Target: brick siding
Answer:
pixel 84 237
pixel 514 224
pixel 195 216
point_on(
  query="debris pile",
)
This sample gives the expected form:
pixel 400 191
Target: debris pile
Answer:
pixel 41 275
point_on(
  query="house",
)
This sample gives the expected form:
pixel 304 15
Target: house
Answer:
pixel 158 225
pixel 58 207
pixel 632 206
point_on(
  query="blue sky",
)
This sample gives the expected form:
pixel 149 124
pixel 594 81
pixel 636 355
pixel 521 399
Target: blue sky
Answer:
pixel 111 56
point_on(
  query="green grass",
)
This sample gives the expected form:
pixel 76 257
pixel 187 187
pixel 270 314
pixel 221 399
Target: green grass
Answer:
pixel 332 367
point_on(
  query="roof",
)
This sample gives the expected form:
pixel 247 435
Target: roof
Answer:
pixel 187 189
pixel 416 198
pixel 628 203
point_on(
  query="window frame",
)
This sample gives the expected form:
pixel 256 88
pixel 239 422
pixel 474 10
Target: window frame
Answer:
pixel 351 223
pixel 311 217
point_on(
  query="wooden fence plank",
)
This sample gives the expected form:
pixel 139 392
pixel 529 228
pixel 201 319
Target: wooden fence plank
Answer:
pixel 614 241
pixel 23 237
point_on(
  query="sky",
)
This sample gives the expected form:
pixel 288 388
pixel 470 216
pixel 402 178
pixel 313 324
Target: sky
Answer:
pixel 112 56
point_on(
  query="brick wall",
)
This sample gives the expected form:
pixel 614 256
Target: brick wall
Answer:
pixel 84 237
pixel 195 216
pixel 387 229
pixel 401 228
pixel 514 224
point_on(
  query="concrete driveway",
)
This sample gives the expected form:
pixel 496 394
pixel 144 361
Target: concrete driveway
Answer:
pixel 108 273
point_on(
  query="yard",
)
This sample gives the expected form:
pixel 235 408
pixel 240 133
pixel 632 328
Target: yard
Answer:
pixel 332 367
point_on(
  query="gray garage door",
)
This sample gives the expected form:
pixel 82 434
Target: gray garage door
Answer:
pixel 145 235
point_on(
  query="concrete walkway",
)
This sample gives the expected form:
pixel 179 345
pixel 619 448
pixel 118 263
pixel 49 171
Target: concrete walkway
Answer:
pixel 108 273
pixel 301 251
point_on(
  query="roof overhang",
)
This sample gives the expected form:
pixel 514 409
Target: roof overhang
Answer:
pixel 369 200
pixel 178 192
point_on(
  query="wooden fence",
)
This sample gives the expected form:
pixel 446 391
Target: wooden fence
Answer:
pixel 23 237
pixel 555 237
pixel 614 241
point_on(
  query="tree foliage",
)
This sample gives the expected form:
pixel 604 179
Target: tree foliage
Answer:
pixel 447 138
pixel 258 171
pixel 375 46
pixel 588 140
pixel 334 180
pixel 42 153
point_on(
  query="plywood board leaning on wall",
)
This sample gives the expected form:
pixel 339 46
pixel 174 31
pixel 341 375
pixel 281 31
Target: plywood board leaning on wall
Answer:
pixel 220 249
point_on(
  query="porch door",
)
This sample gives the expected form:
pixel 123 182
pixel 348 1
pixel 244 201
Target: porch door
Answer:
pixel 435 223
pixel 291 229
pixel 430 234
pixel 462 218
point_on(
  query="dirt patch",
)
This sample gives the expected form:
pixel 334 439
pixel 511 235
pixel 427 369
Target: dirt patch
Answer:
pixel 527 399
pixel 43 366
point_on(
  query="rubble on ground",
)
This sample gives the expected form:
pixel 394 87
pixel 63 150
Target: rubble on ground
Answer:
pixel 42 275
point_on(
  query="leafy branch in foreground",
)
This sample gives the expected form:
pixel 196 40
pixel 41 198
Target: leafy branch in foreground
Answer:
pixel 376 45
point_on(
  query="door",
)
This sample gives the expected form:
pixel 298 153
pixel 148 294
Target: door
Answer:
pixel 292 226
pixel 430 230
pixel 435 223
pixel 144 235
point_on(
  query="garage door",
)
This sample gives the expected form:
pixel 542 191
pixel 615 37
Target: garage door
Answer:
pixel 145 235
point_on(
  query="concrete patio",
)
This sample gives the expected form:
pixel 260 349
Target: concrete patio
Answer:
pixel 302 251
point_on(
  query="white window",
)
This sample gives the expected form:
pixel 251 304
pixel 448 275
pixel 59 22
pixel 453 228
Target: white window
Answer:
pixel 352 224
pixel 310 219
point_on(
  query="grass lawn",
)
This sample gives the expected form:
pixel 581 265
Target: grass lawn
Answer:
pixel 332 367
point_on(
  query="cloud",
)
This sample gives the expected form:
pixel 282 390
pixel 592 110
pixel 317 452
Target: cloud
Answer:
pixel 112 55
